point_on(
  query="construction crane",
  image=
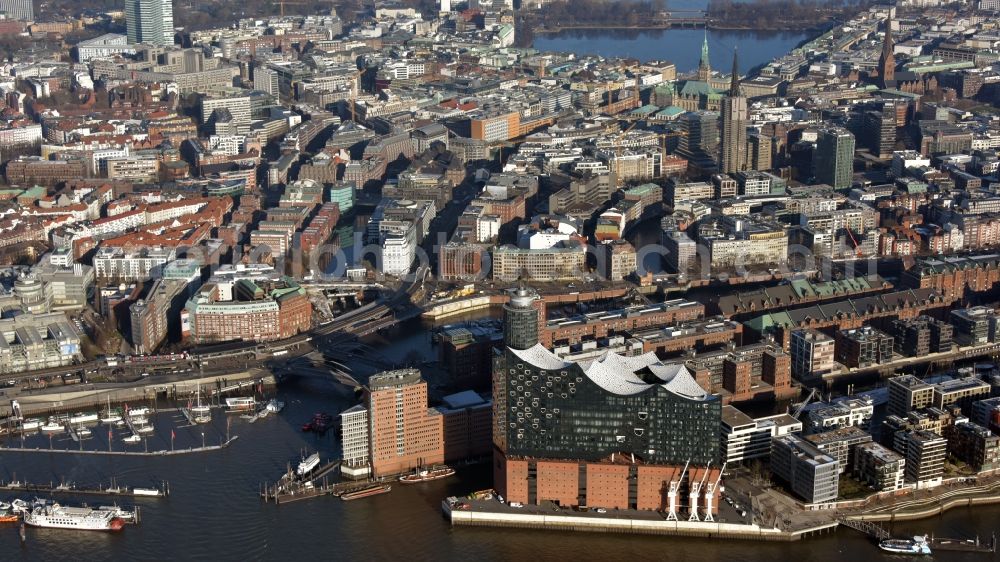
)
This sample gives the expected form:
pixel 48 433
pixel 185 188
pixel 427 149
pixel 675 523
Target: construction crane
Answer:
pixel 802 406
pixel 357 76
pixel 617 146
pixel 857 247
pixel 282 3
pixel 635 92
pixel 667 135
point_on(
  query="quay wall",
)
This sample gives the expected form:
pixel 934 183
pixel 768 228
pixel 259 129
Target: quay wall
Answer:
pixel 931 511
pixel 626 526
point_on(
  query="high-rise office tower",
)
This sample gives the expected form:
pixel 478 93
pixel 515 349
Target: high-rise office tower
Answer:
pixel 403 433
pixel 759 151
pixel 733 147
pixel 701 133
pixel 18 9
pixel 150 21
pixel 879 130
pixel 833 160
pixel 266 80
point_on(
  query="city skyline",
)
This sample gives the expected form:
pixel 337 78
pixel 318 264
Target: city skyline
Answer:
pixel 405 267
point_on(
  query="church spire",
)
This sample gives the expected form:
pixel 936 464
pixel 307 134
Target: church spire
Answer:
pixel 887 61
pixel 734 78
pixel 704 67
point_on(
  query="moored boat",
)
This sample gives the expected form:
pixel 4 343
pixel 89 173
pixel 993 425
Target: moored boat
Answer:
pixel 81 417
pixel 141 425
pixel 320 423
pixel 915 546
pixel 31 424
pixel 132 438
pixel 51 427
pixel 124 514
pixel 241 403
pixel 148 492
pixel 427 475
pixel 55 516
pixel 200 413
pixel 307 465
pixel 9 518
pixel 139 412
pixel 366 492
pixel 110 416
pixel 275 405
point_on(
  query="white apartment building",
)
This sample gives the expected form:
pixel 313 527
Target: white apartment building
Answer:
pixel 354 440
pixel 131 265
pixel 398 249
pixel 745 438
pixel 842 413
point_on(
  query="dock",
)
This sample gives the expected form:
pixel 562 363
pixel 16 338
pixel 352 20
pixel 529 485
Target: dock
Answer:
pixel 963 545
pixel 163 453
pixel 73 490
pixel 289 488
pixel 879 533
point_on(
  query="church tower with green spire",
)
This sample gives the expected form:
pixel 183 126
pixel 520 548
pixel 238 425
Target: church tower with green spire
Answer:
pixel 704 67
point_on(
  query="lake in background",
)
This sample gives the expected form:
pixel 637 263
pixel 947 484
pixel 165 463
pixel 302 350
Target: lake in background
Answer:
pixel 679 46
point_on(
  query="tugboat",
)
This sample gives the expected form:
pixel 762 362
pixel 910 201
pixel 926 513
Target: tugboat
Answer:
pixel 915 546
pixel 319 424
pixel 427 475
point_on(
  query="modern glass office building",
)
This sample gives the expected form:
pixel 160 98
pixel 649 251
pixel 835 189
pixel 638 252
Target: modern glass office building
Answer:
pixel 615 432
pixel 613 405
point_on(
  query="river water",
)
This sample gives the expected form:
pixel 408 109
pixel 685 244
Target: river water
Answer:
pixel 679 46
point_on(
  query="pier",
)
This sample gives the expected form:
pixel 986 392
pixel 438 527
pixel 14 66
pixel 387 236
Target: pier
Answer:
pixel 873 530
pixel 879 533
pixel 963 545
pixel 73 490
pixel 163 453
pixel 291 488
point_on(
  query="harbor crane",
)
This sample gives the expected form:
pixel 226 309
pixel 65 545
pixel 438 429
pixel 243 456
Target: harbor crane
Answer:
pixel 710 493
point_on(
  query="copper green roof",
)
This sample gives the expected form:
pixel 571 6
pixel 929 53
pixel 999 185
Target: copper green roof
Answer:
pixel 698 88
pixel 672 111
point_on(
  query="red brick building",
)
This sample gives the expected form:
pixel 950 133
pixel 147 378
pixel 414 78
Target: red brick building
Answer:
pixel 405 433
